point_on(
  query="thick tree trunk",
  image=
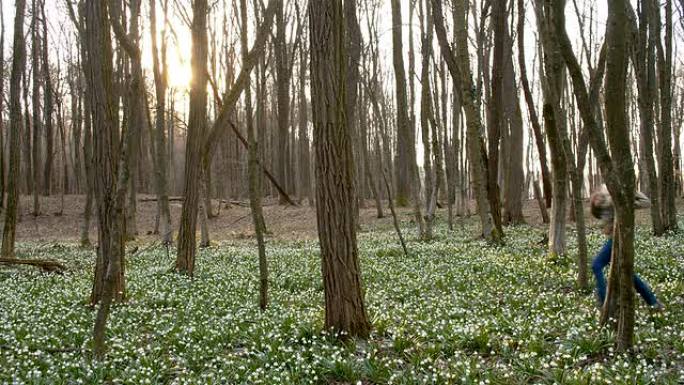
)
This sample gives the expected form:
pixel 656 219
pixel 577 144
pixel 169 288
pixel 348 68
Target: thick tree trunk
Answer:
pixel 554 122
pixel 404 138
pixel 335 196
pixel 514 177
pixel 18 63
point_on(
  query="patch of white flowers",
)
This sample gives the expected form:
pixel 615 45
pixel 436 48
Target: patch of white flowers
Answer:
pixel 457 311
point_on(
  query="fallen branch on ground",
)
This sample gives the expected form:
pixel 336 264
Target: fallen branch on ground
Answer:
pixel 45 265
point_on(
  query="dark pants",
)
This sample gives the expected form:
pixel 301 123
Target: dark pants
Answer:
pixel 602 260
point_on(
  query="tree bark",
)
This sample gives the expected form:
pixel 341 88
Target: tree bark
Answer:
pixel 2 101
pixel 529 99
pixel 48 98
pixel 644 64
pixel 554 122
pixel 253 173
pixel 160 151
pixel 18 64
pixel 459 66
pixel 667 182
pixel 404 138
pixel 111 172
pixel 335 195
pixel 197 121
pixel 36 146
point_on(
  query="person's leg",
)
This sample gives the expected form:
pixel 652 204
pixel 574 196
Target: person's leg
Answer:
pixel 645 291
pixel 601 260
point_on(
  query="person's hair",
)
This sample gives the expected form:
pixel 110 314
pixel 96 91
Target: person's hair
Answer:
pixel 602 204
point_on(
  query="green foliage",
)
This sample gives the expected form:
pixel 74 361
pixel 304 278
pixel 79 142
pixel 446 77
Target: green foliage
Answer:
pixel 458 311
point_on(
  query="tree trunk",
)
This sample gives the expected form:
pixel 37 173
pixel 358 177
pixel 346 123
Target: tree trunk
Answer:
pixel 534 119
pixel 426 116
pixel 459 66
pixel 303 142
pixel 49 107
pixel 496 127
pixel 254 174
pixel 335 196
pixel 283 71
pixel 644 64
pixel 554 122
pixel 160 153
pixel 36 147
pixel 667 182
pixel 197 121
pixel 18 64
pixel 2 121
pixel 617 166
pixel 514 177
pixel 111 170
pixel 404 138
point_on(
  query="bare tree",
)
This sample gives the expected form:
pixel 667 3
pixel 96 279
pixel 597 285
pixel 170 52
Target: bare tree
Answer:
pixel 253 171
pixel 37 79
pixel 197 121
pixel 402 162
pixel 2 101
pixel 555 124
pixel 335 194
pixel 111 169
pixel 667 182
pixel 18 64
pixel 160 69
pixel 48 103
pixel 459 67
pixel 617 166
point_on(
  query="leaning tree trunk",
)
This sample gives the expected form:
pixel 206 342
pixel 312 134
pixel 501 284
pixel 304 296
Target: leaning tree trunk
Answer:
pixel 529 99
pixel 335 196
pixel 18 63
pixel 617 166
pixel 254 174
pixel 459 67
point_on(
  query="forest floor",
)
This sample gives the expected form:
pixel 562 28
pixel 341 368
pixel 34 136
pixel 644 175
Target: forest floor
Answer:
pixel 457 311
pixel 62 223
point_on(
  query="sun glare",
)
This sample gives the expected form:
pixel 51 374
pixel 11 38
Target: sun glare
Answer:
pixel 180 74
